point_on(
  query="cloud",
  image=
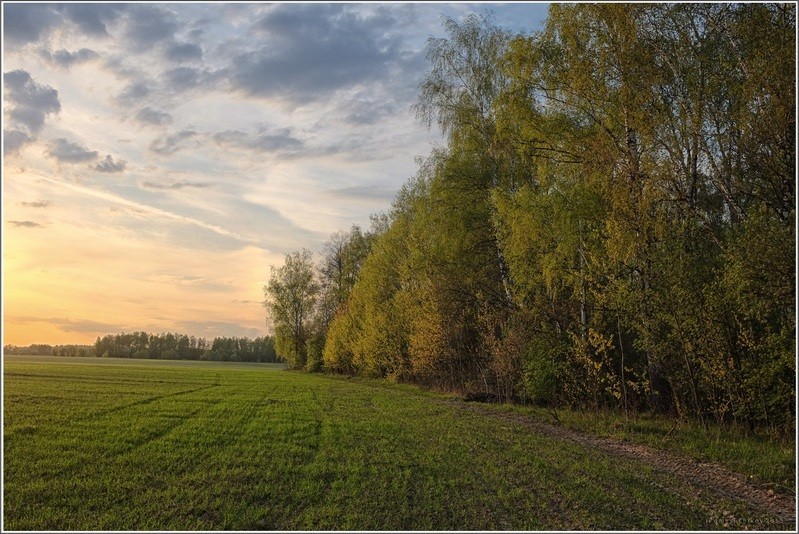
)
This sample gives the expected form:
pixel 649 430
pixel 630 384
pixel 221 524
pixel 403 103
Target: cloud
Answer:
pixel 90 18
pixel 171 143
pixel 219 328
pixel 205 283
pixel 133 92
pixel 182 78
pixel 281 140
pixel 180 52
pixel 30 103
pixel 309 51
pixel 150 25
pixel 69 152
pixel 146 209
pixel 69 325
pixel 37 204
pixel 25 23
pixel 366 193
pixel 153 116
pixel 109 165
pixel 363 111
pixel 26 224
pixel 65 59
pixel 176 185
pixel 13 140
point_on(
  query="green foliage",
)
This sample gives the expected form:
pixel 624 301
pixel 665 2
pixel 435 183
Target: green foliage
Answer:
pixel 610 224
pixel 41 349
pixel 183 347
pixel 290 299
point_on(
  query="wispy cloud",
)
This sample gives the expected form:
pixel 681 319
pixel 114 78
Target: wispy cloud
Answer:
pixel 364 193
pixel 172 143
pixel 280 140
pixel 69 325
pixel 220 328
pixel 26 224
pixel 143 208
pixel 37 204
pixel 175 185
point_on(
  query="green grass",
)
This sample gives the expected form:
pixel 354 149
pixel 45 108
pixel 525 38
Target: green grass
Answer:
pixel 150 445
pixel 766 459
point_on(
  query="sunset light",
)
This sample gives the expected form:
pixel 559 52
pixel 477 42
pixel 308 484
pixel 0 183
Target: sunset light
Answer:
pixel 158 158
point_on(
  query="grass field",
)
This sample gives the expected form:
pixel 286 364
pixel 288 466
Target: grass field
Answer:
pixel 151 445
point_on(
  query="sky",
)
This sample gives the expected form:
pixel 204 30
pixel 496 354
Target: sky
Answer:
pixel 158 158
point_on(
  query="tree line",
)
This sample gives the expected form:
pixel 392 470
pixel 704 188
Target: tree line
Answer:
pixel 610 224
pixel 43 349
pixel 165 346
pixel 169 346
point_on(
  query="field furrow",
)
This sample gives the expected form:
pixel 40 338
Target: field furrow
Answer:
pixel 230 447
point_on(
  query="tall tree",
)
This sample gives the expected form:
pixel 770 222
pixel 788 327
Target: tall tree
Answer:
pixel 290 298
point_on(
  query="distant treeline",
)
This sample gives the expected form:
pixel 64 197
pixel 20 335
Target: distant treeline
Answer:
pixel 165 346
pixel 39 349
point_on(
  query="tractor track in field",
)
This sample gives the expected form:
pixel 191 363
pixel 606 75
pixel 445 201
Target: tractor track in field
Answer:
pixel 776 511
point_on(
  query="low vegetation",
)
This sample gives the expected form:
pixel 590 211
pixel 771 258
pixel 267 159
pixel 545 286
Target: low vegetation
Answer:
pixel 101 444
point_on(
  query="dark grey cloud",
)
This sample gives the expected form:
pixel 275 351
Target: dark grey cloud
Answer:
pixel 91 18
pixel 31 22
pixel 133 92
pixel 29 104
pixel 183 52
pixel 175 185
pixel 280 140
pixel 24 93
pixel 31 117
pixel 172 143
pixel 13 140
pixel 153 116
pixel 70 152
pixel 65 59
pixel 26 23
pixel 150 25
pixel 182 78
pixel 108 165
pixel 26 224
pixel 37 204
pixel 309 51
pixel 197 33
pixel 363 111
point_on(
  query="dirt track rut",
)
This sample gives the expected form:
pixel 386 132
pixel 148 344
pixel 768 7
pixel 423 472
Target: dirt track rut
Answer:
pixel 774 511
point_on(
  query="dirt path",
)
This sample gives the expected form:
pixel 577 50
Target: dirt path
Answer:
pixel 775 511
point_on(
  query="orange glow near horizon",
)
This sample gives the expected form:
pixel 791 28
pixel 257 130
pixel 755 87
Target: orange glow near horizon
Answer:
pixel 75 275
